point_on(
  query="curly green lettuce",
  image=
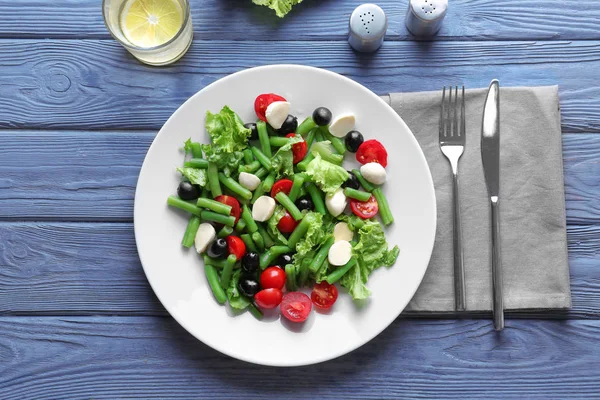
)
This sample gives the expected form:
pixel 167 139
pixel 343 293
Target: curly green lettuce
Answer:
pixel 329 177
pixel 195 175
pixel 236 300
pixel 281 7
pixel 272 225
pixel 283 160
pixel 228 138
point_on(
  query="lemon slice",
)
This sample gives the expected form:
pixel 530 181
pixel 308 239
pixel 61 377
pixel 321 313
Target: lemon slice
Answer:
pixel 150 23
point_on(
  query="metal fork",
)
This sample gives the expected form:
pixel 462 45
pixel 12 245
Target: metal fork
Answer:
pixel 452 144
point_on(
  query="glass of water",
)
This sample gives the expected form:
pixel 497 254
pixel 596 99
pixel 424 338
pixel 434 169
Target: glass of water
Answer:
pixel 156 32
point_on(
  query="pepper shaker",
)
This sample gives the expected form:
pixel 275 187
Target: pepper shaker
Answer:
pixel 424 17
pixel 368 24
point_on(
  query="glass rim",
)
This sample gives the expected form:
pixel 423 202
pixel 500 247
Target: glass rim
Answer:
pixel 160 46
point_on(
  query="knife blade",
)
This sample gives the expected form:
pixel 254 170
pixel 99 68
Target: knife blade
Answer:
pixel 490 157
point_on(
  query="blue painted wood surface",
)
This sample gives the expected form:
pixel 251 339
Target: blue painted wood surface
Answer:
pixel 77 114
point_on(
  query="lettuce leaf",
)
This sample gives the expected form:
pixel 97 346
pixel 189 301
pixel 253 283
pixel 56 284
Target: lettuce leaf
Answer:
pixel 194 175
pixel 371 252
pixel 272 224
pixel 283 160
pixel 187 146
pixel 328 176
pixel 236 300
pixel 281 7
pixel 228 136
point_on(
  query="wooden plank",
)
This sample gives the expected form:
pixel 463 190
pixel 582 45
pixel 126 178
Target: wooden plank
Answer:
pixel 153 358
pixel 91 176
pixel 95 84
pixel 93 268
pixel 323 20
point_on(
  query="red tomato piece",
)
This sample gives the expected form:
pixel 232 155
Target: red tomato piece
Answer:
pixel 287 224
pixel 299 150
pixel 365 209
pixel 324 295
pixel 233 203
pixel 282 185
pixel 236 246
pixel 268 298
pixel 296 306
pixel 263 101
pixel 272 278
pixel 372 151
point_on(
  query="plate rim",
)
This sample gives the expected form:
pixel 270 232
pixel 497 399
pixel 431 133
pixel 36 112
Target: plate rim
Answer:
pixel 430 186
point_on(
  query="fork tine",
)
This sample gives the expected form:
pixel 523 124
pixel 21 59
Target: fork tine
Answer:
pixel 442 131
pixel 462 113
pixel 455 119
pixel 448 122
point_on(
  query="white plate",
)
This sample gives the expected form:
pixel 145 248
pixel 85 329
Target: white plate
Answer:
pixel 177 274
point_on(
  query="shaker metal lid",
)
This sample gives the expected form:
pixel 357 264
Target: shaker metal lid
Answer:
pixel 368 25
pixel 424 17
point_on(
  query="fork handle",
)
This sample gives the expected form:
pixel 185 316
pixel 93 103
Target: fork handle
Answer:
pixel 498 303
pixel 460 298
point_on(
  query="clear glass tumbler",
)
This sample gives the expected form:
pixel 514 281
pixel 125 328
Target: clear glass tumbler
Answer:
pixel 156 32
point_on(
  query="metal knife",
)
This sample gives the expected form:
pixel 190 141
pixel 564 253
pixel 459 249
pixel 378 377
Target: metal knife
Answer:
pixel 490 157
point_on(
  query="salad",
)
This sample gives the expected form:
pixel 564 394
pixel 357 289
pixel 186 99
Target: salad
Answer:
pixel 268 204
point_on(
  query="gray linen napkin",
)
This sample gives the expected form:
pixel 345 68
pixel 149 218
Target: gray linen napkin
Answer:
pixel 532 202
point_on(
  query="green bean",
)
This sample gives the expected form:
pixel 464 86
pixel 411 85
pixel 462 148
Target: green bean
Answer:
pixel 190 231
pixel 257 193
pixel 319 136
pixel 270 255
pixel 240 226
pixel 249 168
pixel 213 180
pixel 218 218
pixel 298 183
pixel 235 187
pixel 266 237
pixel 278 141
pixel 321 255
pixel 227 270
pixel 384 208
pixel 304 163
pixel 261 173
pixel 263 138
pixel 303 272
pixel 368 186
pixel 258 241
pixel 215 262
pixel 328 156
pixel 267 184
pixel 317 198
pixel 247 217
pixel 289 205
pixel 215 285
pixel 337 143
pixel 196 150
pixel 196 163
pixel 290 278
pixel 255 311
pixel 306 126
pixel 298 233
pixel 340 272
pixel 176 202
pixel 357 194
pixel 262 158
pixel 310 138
pixel 249 242
pixel 205 193
pixel 213 205
pixel 225 231
pixel 302 191
pixel 248 156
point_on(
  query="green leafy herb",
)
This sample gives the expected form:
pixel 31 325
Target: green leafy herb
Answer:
pixel 236 300
pixel 328 176
pixel 187 146
pixel 281 7
pixel 194 175
pixel 283 160
pixel 272 224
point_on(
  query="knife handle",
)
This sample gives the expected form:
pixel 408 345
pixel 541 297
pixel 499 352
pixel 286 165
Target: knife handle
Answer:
pixel 460 300
pixel 498 308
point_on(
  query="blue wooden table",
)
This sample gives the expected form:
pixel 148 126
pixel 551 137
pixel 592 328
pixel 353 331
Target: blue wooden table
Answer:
pixel 78 318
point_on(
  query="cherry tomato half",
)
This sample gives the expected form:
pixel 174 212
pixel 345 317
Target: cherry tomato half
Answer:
pixel 372 151
pixel 236 246
pixel 282 185
pixel 232 202
pixel 268 298
pixel 296 306
pixel 263 101
pixel 299 150
pixel 324 295
pixel 364 209
pixel 272 278
pixel 287 224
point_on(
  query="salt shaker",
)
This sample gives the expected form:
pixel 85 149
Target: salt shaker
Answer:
pixel 368 24
pixel 424 17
